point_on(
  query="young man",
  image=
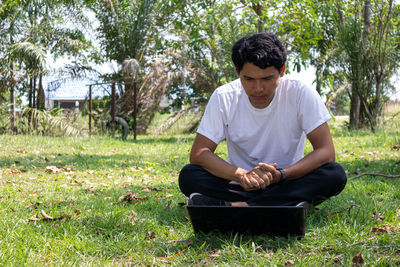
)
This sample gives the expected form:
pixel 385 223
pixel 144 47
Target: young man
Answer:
pixel 264 119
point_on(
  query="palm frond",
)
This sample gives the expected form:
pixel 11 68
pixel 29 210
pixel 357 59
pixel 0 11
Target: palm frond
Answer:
pixel 27 51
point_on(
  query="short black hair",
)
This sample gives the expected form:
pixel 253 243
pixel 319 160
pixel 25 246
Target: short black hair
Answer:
pixel 262 49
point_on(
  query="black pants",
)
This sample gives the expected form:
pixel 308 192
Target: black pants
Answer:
pixel 315 187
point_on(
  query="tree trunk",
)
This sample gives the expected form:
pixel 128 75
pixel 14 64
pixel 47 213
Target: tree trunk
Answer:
pixel 134 110
pixel 13 115
pixel 30 91
pixel 340 11
pixel 34 92
pixel 40 96
pixel 318 77
pixel 355 102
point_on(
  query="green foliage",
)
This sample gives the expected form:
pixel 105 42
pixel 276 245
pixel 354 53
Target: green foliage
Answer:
pixel 54 122
pixel 127 28
pixel 195 38
pixel 29 52
pixel 370 56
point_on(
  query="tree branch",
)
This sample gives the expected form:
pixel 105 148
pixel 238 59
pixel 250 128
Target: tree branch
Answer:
pixel 374 174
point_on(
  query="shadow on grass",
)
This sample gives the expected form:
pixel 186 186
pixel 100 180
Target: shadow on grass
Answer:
pixel 84 162
pixel 161 140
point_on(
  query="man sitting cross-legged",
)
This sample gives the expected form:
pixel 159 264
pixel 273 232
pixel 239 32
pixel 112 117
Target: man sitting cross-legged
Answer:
pixel 264 119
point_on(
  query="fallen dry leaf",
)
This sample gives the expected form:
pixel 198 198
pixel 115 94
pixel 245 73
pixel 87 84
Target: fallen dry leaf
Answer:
pixel 150 235
pixel 90 188
pixel 132 217
pixel 57 169
pixel 76 182
pixel 45 216
pixel 16 171
pixel 377 215
pixel 384 229
pixel 34 218
pixel 289 262
pixel 396 147
pixel 49 218
pixel 133 214
pixel 77 212
pixel 173 256
pixel 358 259
pixel 130 196
pixel 336 258
pixel 215 254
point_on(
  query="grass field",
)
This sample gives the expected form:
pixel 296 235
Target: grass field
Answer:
pixel 103 201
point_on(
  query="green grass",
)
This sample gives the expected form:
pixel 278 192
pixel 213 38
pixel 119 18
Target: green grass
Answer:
pixel 100 230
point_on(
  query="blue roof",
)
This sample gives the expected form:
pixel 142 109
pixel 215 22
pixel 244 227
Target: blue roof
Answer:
pixel 73 88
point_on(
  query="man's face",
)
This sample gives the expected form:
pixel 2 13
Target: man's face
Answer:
pixel 260 84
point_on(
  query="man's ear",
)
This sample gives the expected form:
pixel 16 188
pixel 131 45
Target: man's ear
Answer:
pixel 282 70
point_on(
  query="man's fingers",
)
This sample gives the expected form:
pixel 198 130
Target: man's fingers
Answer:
pixel 267 167
pixel 246 184
pixel 259 176
pixel 270 178
pixel 255 182
pixel 251 182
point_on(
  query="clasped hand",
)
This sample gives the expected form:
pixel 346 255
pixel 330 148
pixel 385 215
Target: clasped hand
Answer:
pixel 260 177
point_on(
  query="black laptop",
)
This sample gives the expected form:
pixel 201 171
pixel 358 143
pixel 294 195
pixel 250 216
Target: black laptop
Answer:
pixel 253 220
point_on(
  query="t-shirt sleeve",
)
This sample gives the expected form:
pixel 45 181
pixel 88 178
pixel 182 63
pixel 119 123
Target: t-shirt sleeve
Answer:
pixel 312 111
pixel 212 123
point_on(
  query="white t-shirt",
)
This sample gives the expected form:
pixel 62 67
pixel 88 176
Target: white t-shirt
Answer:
pixel 275 134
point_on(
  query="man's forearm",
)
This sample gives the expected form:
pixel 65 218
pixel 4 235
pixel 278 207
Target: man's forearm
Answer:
pixel 324 151
pixel 217 166
pixel 309 163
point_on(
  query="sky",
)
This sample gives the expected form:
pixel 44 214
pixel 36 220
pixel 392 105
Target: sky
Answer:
pixel 308 77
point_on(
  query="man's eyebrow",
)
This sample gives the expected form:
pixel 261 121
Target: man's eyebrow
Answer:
pixel 266 77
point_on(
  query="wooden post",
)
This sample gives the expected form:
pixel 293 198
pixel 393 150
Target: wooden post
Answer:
pixel 112 107
pixel 134 109
pixel 90 110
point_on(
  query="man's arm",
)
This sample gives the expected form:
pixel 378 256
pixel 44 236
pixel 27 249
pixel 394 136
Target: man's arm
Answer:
pixel 323 152
pixel 202 153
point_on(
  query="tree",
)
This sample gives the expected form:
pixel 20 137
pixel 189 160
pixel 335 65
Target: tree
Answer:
pixel 204 34
pixel 30 26
pixel 132 30
pixel 369 42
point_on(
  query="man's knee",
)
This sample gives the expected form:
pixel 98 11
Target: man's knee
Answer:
pixel 187 178
pixel 335 176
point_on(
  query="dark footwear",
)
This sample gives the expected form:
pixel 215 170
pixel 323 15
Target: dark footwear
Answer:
pixel 197 199
pixel 306 205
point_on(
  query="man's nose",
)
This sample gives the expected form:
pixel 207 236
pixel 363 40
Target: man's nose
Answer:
pixel 259 86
